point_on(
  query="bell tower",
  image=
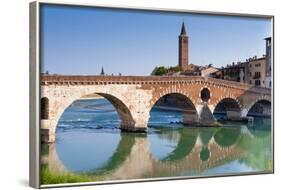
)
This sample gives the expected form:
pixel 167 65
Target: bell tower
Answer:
pixel 183 48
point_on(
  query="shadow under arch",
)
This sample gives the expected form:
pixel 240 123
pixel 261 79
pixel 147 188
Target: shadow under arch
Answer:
pixel 175 102
pixel 123 111
pixel 227 107
pixel 261 107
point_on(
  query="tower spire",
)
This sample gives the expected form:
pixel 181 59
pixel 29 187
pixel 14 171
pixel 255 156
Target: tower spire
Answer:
pixel 102 71
pixel 183 31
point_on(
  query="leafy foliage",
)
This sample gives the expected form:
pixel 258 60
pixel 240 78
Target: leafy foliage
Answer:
pixel 174 69
pixel 161 70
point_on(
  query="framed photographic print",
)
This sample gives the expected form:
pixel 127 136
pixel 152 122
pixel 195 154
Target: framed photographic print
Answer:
pixel 126 94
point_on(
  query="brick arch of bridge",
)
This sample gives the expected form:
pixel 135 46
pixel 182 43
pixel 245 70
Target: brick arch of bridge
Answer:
pixel 175 91
pixel 58 104
pixel 257 99
pixel 227 97
pixel 193 90
pixel 219 93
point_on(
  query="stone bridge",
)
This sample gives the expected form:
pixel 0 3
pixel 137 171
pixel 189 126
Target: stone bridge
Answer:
pixel 134 96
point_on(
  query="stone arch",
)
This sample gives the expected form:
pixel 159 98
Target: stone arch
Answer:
pixel 178 93
pixel 227 97
pixel 44 103
pixel 119 104
pixel 123 111
pixel 260 99
pixel 167 91
pixel 228 105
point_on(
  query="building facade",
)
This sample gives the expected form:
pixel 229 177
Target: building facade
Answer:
pixel 255 71
pixel 252 71
pixel 208 71
pixel 234 72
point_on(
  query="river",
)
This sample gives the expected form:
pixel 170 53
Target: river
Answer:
pixel 89 143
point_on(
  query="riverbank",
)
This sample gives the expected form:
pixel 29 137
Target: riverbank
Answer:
pixel 49 177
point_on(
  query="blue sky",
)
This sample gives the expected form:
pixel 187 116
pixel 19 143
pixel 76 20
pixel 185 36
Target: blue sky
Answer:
pixel 80 40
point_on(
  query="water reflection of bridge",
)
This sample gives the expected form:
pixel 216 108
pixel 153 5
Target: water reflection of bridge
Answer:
pixel 197 150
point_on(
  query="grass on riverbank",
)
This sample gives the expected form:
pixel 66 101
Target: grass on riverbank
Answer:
pixel 48 177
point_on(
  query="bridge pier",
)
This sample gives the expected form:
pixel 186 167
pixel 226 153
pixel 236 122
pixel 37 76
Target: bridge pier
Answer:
pixel 233 115
pixel 206 116
pixel 47 132
pixel 190 118
pixel 47 135
pixel 134 128
pixel 244 112
pixel 138 123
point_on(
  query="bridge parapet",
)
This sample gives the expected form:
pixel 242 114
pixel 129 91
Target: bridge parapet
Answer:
pixel 145 80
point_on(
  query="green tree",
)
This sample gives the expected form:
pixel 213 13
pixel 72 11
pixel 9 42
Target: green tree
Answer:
pixel 159 71
pixel 174 69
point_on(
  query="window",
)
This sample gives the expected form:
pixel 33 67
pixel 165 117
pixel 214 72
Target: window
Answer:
pixel 257 75
pixel 257 82
pixel 257 65
pixel 44 108
pixel 250 74
pixel 250 82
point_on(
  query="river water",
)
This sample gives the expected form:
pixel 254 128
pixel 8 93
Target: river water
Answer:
pixel 89 142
